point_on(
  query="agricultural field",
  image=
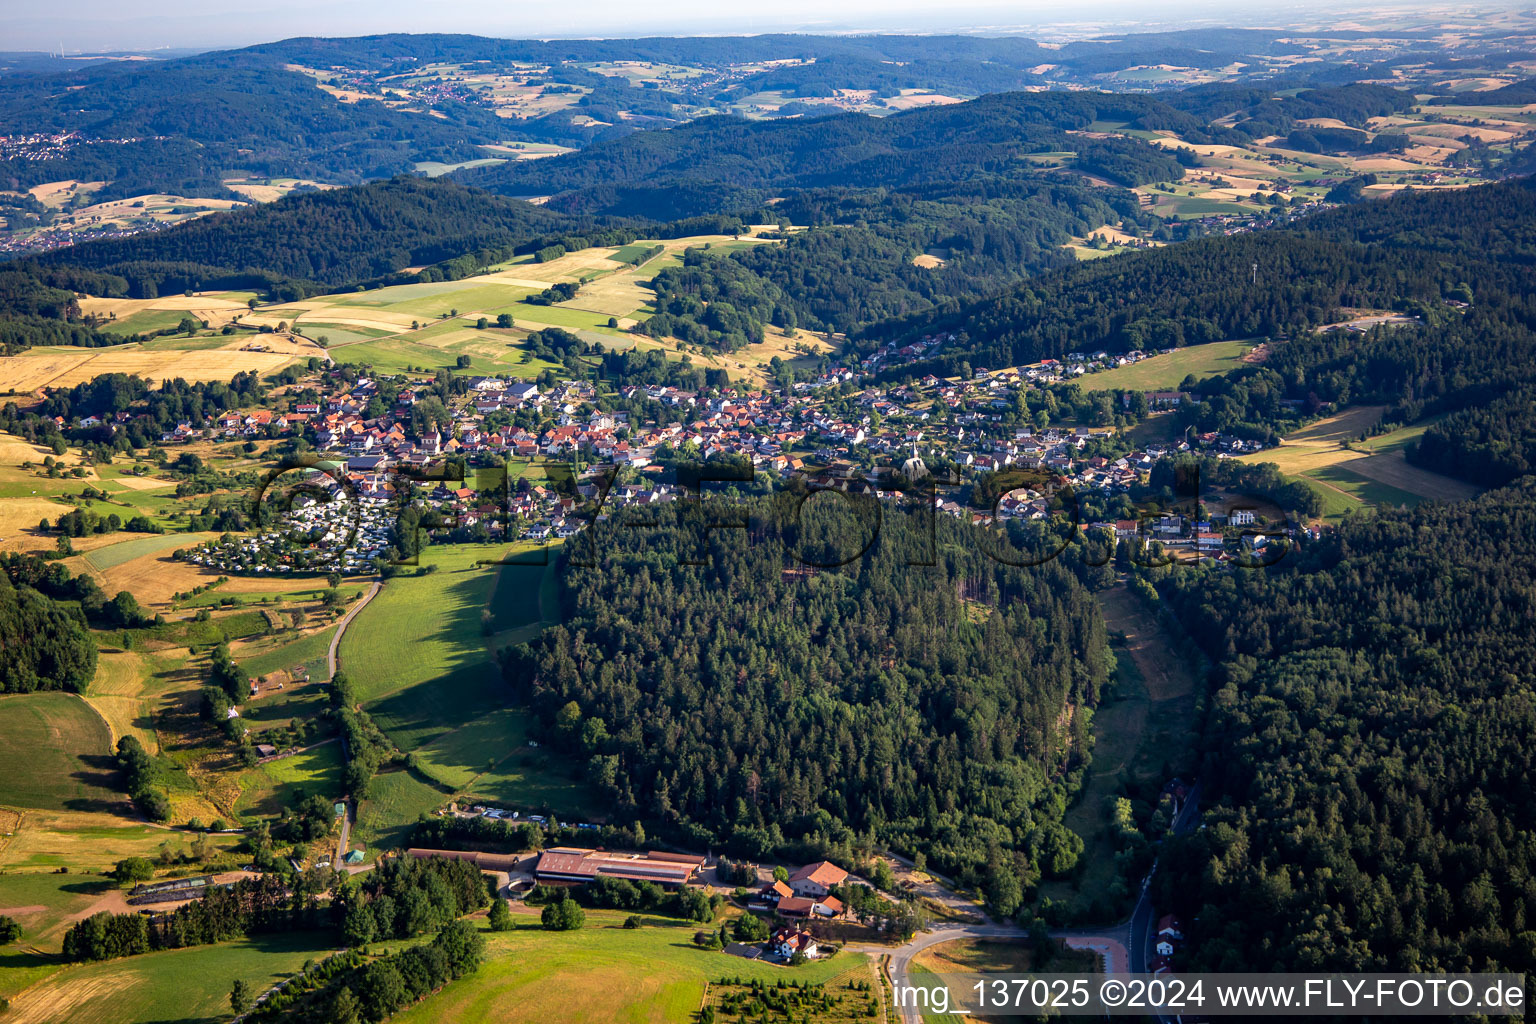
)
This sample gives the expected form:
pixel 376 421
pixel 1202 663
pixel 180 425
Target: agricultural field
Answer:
pixel 130 685
pixel 66 366
pixel 1236 180
pixel 113 555
pixel 135 213
pixel 56 754
pixel 429 326
pixel 491 758
pixel 603 973
pixel 391 647
pixel 1165 372
pixel 432 684
pixel 1353 472
pixel 183 984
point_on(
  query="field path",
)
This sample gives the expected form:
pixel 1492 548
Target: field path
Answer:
pixel 341 627
pixel 330 671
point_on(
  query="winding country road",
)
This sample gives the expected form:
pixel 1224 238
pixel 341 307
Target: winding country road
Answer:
pixel 1124 947
pixel 901 956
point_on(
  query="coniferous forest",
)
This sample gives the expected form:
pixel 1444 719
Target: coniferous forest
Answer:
pixel 773 705
pixel 1371 734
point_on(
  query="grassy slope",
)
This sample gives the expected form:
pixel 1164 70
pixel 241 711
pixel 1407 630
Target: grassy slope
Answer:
pixel 55 753
pixel 600 974
pixel 431 683
pixel 1165 372
pixel 184 985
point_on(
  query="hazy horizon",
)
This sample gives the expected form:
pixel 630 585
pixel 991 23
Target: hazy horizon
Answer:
pixel 94 26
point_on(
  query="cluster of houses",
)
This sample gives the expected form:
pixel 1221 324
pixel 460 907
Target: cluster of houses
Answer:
pixel 1046 371
pixel 843 443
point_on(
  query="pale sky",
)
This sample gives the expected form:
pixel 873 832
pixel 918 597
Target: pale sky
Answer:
pixel 95 25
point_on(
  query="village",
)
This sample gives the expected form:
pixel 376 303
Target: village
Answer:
pixel 829 432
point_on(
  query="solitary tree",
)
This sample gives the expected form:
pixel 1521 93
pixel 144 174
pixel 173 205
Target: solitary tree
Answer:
pixel 240 996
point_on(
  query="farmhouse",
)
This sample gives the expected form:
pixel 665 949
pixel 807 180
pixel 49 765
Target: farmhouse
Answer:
pixel 817 879
pixel 808 906
pixel 568 864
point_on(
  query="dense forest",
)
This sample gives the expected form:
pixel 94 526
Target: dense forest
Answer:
pixel 984 137
pixel 46 647
pixel 855 264
pixel 188 121
pixel 335 237
pixel 791 708
pixel 1369 748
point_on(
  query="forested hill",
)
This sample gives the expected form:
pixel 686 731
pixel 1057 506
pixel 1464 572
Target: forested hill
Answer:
pixel 986 138
pixel 1365 255
pixel 742 703
pixel 178 126
pixel 331 237
pixel 1371 750
pixel 46 644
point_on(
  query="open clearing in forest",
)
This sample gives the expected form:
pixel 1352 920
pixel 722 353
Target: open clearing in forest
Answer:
pixel 1371 472
pixel 1165 372
pixel 1142 730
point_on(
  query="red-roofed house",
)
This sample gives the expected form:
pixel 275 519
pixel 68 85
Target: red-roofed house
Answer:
pixel 817 879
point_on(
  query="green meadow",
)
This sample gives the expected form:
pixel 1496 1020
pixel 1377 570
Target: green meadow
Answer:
pixel 603 973
pixel 1165 372
pixel 305 652
pixel 189 986
pixel 424 670
pixel 268 788
pixel 113 555
pixel 56 754
pixel 395 800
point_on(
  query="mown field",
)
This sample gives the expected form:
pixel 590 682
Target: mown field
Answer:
pixel 55 754
pixel 394 645
pixel 268 788
pixel 395 800
pixel 114 555
pixel 1165 372
pixel 430 681
pixel 602 973
pixel 189 986
pixel 1351 471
